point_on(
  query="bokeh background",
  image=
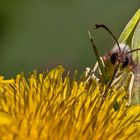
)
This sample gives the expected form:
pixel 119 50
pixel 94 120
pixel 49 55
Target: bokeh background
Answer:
pixel 41 34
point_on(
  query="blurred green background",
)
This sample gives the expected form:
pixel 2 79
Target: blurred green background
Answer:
pixel 43 34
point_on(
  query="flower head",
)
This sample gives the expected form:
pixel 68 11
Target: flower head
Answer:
pixel 53 107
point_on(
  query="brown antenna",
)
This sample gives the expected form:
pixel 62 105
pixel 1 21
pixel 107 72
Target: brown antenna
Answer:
pixel 138 49
pixel 106 28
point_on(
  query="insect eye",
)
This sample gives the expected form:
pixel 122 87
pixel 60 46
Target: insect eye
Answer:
pixel 125 63
pixel 113 58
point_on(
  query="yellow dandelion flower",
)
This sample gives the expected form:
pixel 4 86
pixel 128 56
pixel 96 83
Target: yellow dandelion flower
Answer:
pixel 52 107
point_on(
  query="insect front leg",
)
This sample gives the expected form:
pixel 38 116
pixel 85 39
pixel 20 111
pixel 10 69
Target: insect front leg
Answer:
pixel 90 73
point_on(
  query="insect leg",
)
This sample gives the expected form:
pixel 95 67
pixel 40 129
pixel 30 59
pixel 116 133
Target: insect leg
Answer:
pixel 130 88
pixel 89 70
pixel 90 73
pixel 116 80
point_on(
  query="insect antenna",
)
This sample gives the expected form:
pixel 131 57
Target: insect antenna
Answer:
pixel 96 26
pixel 138 49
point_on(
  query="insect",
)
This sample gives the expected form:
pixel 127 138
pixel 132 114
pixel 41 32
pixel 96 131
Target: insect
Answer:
pixel 120 67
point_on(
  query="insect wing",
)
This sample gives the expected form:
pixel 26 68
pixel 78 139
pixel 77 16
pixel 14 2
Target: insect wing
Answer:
pixel 131 37
pixel 136 58
pixel 127 34
pixel 136 44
